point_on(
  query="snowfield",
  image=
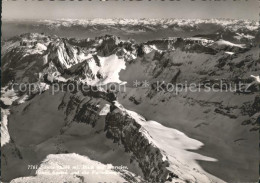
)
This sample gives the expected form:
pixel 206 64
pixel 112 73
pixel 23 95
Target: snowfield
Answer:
pixel 175 146
pixel 73 168
pixel 7 97
pixel 223 43
pixel 108 68
pixel 5 137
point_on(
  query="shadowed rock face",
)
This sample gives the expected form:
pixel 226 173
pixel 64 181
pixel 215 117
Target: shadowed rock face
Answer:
pixel 126 131
pixel 123 130
pixel 73 118
pixel 120 128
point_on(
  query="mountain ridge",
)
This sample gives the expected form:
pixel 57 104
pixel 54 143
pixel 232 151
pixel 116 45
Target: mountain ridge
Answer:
pixel 51 60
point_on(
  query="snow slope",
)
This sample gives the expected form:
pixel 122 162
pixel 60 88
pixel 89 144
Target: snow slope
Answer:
pixel 74 168
pixel 222 43
pixel 7 97
pixel 175 145
pixel 108 68
pixel 5 137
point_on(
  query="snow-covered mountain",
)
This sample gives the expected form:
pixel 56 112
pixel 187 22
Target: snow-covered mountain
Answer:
pixel 64 164
pixel 232 24
pixel 139 29
pixel 140 127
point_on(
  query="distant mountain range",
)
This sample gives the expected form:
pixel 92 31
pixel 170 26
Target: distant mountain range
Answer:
pixel 138 29
pixel 148 24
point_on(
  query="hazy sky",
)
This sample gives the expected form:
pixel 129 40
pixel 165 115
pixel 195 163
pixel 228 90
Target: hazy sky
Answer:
pixel 46 9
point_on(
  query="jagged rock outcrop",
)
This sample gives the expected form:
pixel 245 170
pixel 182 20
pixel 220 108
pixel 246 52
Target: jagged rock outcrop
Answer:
pixel 126 131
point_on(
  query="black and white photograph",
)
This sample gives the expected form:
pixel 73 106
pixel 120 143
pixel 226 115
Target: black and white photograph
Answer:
pixel 122 91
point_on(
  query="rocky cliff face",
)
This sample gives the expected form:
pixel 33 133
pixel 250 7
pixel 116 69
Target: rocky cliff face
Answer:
pixel 82 108
pixel 120 128
pixel 123 129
